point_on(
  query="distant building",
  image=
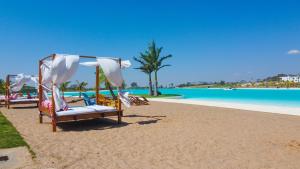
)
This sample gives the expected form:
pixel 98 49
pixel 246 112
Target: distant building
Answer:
pixel 295 79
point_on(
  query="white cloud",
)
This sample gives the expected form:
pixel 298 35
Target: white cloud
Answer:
pixel 294 52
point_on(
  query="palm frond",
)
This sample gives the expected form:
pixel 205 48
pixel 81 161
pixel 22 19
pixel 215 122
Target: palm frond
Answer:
pixel 163 66
pixel 164 58
pixel 159 50
pixel 139 60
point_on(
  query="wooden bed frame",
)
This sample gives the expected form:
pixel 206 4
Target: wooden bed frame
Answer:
pixel 7 94
pixel 52 113
pixel 2 100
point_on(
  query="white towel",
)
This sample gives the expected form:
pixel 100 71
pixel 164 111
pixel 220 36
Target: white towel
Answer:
pixel 124 98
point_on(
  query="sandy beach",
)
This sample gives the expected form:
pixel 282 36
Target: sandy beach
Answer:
pixel 165 135
pixel 243 106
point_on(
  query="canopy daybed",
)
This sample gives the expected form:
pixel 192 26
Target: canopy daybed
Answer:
pixel 2 99
pixel 18 81
pixel 58 68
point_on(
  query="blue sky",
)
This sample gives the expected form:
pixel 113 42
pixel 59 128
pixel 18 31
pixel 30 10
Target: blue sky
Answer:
pixel 210 40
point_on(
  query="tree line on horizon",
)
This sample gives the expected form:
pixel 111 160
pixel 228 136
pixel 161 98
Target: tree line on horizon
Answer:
pixel 271 81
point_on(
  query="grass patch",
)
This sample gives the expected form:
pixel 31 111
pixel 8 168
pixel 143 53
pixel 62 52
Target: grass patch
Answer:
pixel 10 137
pixel 160 96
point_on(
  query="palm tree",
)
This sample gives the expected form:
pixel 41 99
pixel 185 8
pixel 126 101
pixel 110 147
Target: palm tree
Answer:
pixel 103 79
pixel 81 87
pixel 146 67
pixel 64 86
pixel 2 86
pixel 156 62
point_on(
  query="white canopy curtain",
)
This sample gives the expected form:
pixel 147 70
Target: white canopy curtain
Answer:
pixel 112 70
pixel 20 80
pixel 58 71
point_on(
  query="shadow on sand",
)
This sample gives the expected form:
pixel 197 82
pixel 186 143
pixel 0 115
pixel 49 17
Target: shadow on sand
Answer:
pixel 93 124
pixel 153 119
pixel 24 107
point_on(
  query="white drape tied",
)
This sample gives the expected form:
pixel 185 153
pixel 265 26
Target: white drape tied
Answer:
pixel 58 71
pixel 22 79
pixel 112 70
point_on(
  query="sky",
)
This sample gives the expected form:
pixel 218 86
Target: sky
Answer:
pixel 209 40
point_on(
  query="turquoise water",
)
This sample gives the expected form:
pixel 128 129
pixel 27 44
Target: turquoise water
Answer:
pixel 277 97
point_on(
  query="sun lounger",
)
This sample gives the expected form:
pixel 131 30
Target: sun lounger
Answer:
pixel 138 100
pixel 87 100
pixel 85 110
pixel 21 101
pixel 24 101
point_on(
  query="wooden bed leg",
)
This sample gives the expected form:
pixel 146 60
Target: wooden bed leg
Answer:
pixel 41 117
pixel 53 124
pixel 119 117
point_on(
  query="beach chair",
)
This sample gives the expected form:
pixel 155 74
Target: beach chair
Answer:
pixel 138 100
pixel 107 101
pixel 88 101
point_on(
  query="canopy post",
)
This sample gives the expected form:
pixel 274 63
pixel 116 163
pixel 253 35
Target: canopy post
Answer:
pixel 111 89
pixel 7 91
pixel 97 85
pixel 53 114
pixel 119 101
pixel 40 92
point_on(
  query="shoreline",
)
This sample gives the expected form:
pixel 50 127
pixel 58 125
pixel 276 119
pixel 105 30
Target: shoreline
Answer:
pixel 242 88
pixel 242 106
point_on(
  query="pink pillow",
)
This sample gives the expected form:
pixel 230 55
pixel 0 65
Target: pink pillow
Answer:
pixel 13 96
pixel 29 96
pixel 47 104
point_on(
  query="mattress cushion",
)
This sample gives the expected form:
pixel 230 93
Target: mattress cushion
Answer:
pixel 23 100
pixel 85 110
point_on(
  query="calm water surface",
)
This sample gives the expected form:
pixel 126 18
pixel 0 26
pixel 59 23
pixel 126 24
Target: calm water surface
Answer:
pixel 277 97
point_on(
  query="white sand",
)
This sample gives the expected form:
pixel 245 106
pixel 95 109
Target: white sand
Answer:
pixel 164 136
pixel 242 106
pixel 18 157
